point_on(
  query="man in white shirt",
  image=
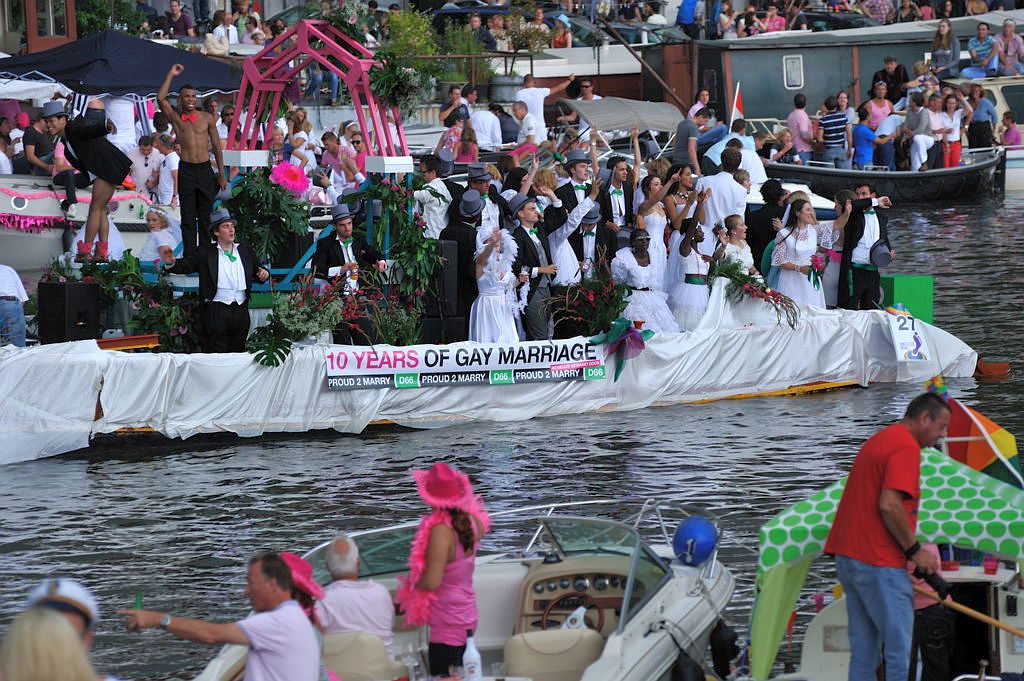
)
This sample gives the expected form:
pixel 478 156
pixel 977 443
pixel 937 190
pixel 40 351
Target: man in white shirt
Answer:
pixel 121 114
pixel 166 183
pixel 224 124
pixel 487 128
pixel 534 98
pixel 859 281
pixel 145 165
pixel 282 643
pixel 728 197
pixel 434 199
pixel 12 312
pixel 350 604
pixel 224 29
pixel 586 95
pixel 226 274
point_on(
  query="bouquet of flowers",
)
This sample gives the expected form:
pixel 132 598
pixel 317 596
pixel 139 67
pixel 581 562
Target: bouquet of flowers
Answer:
pixel 307 311
pixel 594 302
pixel 742 285
pixel 818 265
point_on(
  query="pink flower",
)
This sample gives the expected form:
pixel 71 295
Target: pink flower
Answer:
pixel 290 177
pixel 352 19
pixel 182 330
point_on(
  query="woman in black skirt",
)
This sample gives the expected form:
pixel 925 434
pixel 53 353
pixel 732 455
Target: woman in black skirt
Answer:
pixel 88 150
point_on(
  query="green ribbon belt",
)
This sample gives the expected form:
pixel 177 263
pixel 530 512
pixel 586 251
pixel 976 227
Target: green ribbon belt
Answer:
pixel 698 279
pixel 863 266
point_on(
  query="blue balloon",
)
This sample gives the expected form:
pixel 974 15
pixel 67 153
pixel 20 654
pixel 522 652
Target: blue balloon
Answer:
pixel 695 541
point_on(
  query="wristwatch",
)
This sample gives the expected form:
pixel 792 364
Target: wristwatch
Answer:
pixel 914 548
pixel 165 621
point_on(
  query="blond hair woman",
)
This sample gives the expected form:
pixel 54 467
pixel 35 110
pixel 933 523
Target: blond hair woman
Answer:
pixel 41 645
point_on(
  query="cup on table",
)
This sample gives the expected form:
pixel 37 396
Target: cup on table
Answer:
pixel 990 564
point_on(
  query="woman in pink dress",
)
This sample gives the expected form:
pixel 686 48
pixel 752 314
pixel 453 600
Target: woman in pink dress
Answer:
pixel 878 106
pixel 439 589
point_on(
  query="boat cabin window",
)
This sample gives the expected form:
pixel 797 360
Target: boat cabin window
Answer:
pixel 1014 96
pixel 793 71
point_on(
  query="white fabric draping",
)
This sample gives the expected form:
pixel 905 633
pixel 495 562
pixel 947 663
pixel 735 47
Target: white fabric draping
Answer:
pixel 50 391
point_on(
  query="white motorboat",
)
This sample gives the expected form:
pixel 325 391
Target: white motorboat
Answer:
pixel 645 611
pixel 33 228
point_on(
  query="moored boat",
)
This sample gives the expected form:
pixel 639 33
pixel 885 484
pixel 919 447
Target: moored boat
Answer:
pixel 976 176
pixel 644 609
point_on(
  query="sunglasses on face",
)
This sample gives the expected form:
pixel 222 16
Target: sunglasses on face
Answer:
pixel 357 141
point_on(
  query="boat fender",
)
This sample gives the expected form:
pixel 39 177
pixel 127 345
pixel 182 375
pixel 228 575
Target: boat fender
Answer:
pixel 695 540
pixel 723 648
pixel 686 669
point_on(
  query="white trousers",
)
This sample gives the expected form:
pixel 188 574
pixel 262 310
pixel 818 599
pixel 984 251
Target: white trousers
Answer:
pixel 919 150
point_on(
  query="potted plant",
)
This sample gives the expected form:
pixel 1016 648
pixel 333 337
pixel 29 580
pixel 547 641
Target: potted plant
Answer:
pixel 523 37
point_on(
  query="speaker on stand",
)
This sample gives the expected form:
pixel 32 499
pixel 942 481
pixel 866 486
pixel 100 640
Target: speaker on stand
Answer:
pixel 68 312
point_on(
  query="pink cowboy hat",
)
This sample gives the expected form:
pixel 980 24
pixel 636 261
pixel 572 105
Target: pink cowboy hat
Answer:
pixel 302 575
pixel 441 486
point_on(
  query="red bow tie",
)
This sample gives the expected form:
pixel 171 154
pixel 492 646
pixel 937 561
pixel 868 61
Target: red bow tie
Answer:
pixel 191 118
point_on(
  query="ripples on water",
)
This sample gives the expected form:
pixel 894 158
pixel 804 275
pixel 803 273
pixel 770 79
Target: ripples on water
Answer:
pixel 176 521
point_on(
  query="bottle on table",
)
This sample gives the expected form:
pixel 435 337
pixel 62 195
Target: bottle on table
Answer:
pixel 471 665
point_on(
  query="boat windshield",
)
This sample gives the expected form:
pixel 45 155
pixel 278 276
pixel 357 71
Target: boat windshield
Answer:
pixel 575 536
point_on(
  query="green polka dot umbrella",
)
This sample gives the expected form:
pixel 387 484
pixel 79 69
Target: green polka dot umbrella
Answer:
pixel 958 505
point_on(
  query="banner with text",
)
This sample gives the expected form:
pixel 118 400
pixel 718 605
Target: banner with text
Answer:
pixel 423 366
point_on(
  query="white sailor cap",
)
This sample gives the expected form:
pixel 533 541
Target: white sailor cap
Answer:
pixel 66 595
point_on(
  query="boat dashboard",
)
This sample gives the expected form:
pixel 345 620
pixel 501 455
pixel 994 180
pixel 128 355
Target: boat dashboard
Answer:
pixel 552 591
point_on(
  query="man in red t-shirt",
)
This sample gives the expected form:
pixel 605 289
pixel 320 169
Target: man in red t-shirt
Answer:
pixel 873 537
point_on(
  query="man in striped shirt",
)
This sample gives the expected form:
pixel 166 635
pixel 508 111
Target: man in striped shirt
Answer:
pixel 834 132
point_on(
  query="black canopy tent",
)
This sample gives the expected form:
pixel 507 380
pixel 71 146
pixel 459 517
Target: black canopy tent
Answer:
pixel 112 63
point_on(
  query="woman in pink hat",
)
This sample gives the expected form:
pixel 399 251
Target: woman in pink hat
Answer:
pixel 306 592
pixel 439 589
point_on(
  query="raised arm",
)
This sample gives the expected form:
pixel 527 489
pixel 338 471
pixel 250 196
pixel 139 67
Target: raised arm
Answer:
pixel 652 201
pixel 165 104
pixel 564 84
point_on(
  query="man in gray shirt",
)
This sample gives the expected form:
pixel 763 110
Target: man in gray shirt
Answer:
pixel 685 151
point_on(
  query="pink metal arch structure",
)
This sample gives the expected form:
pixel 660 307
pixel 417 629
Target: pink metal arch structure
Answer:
pixel 265 76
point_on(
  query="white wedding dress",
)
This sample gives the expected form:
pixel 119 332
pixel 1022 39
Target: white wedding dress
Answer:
pixel 646 300
pixel 492 318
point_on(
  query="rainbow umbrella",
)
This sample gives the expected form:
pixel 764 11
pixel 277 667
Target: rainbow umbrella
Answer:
pixel 959 506
pixel 982 444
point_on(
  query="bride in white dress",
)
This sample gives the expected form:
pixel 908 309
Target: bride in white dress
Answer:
pixel 795 244
pixel 737 248
pixel 492 318
pixel 644 273
pixel 651 213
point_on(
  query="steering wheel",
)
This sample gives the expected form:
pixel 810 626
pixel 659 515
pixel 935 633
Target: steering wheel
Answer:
pixel 588 601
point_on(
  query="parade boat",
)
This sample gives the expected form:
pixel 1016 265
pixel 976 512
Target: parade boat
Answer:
pixel 979 174
pixel 584 591
pixel 972 498
pixel 1007 93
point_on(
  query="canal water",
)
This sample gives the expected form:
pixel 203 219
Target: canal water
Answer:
pixel 176 521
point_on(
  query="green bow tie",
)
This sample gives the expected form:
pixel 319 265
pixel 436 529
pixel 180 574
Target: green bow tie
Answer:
pixel 231 256
pixel 616 191
pixel 869 212
pixel 346 242
pixel 533 231
pixel 590 233
pixel 580 187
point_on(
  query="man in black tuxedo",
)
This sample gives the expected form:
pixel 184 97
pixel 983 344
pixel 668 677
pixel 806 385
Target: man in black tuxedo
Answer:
pixel 342 254
pixel 535 257
pixel 463 231
pixel 226 272
pixel 866 230
pixel 577 164
pixel 616 201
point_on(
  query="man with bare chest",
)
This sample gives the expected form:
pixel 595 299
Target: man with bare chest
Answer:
pixel 196 132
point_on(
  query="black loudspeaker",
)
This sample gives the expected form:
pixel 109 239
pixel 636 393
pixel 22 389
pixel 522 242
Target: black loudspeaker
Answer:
pixel 434 330
pixel 68 312
pixel 444 300
pixel 294 248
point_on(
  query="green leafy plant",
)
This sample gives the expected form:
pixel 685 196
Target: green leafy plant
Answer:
pixel 395 320
pixel 399 81
pixel 269 345
pixel 460 39
pixel 524 37
pixel 410 34
pixel 415 255
pixel 595 303
pixel 95 16
pixel 266 215
pixel 155 309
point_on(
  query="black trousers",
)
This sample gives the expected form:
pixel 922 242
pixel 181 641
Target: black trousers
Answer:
pixel 196 189
pixel 866 285
pixel 442 656
pixel 225 327
pixel 934 639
